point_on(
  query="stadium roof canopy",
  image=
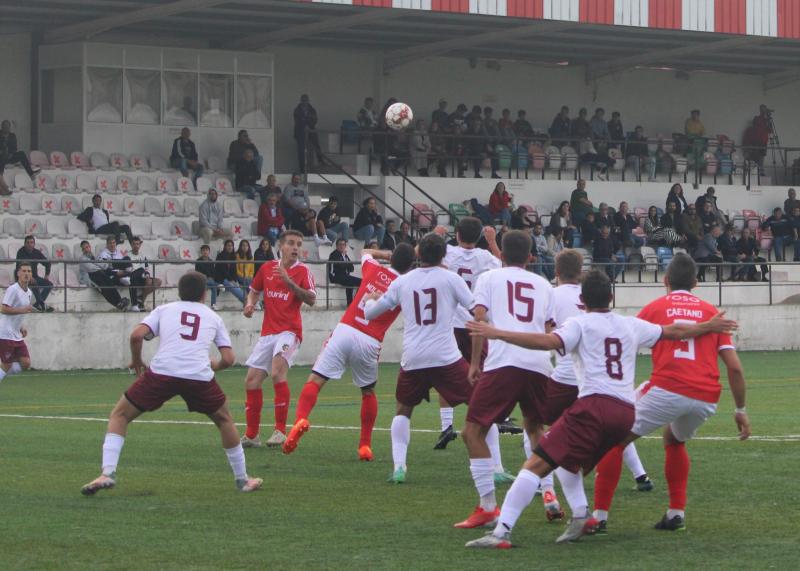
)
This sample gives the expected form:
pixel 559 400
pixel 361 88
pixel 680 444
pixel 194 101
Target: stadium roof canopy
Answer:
pixel 401 35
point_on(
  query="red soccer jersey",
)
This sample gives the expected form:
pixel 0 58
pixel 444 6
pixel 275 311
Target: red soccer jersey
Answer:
pixel 281 305
pixel 374 277
pixel 688 368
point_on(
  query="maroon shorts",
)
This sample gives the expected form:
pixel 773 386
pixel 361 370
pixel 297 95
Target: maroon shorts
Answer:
pixel 450 381
pixel 497 392
pixel 586 431
pixel 464 342
pixel 12 351
pixel 559 398
pixel 151 390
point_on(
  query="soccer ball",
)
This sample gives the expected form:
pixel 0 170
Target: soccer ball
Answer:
pixel 399 116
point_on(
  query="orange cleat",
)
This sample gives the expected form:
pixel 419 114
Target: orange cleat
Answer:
pixel 298 430
pixel 552 509
pixel 365 453
pixel 479 518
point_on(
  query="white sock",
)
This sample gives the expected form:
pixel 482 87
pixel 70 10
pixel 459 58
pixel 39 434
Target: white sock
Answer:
pixel 547 483
pixel 632 461
pixel 401 436
pixel 446 416
pixel 15 368
pixel 493 442
pixel 519 496
pixel 482 474
pixel 672 513
pixel 572 486
pixel 602 515
pixel 526 444
pixel 2 374
pixel 236 460
pixel 112 447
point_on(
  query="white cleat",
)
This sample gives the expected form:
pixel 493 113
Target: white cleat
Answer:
pixel 577 528
pixel 277 439
pixel 491 541
pixel 101 483
pixel 249 484
pixel 251 442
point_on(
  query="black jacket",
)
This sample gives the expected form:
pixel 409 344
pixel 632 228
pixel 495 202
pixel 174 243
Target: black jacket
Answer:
pixel 87 215
pixel 183 149
pixel 389 242
pixel 604 248
pixel 247 174
pixel 747 247
pixel 236 152
pixel 728 246
pixel 679 201
pixel 778 226
pixel 260 257
pixel 366 217
pixel 304 117
pixel 560 128
pixel 336 270
pixel 8 145
pixel 22 254
pixel 205 267
pixel 225 267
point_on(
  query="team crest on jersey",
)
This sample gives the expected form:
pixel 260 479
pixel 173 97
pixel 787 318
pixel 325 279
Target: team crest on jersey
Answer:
pixel 285 348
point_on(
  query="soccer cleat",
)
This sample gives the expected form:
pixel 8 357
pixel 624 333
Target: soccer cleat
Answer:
pixel 249 484
pixel 577 528
pixel 602 527
pixel 398 476
pixel 490 541
pixel 214 307
pixel 250 442
pixel 103 482
pixel 479 518
pixel 365 453
pixel 674 524
pixel 298 430
pixel 552 509
pixel 644 484
pixel 447 435
pixel 277 439
pixel 503 478
pixel 135 309
pixel 508 427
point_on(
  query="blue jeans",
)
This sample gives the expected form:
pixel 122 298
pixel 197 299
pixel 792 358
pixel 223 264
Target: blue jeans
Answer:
pixel 620 265
pixel 544 266
pixel 637 241
pixel 370 232
pixel 340 230
pixel 213 288
pixel 250 190
pixel 649 164
pixel 41 289
pixel 183 166
pixel 235 290
pixel 272 235
pixel 505 216
pixel 778 244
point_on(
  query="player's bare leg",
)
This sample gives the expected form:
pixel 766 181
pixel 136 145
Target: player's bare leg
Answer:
pixel 253 404
pixel 481 467
pixel 552 509
pixel 676 471
pixel 23 364
pixel 448 433
pixel 401 436
pixel 121 416
pixel 305 404
pixel 233 449
pixel 369 414
pixel 280 370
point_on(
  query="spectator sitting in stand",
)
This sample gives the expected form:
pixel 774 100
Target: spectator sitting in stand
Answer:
pixel 210 215
pixel 637 155
pixel 440 115
pixel 608 252
pixel 599 127
pixel 184 155
pixel 711 198
pixel 791 201
pixel 579 202
pixel 561 127
pixel 746 246
pixel 693 226
pixel 782 232
pixel 420 147
pixel 205 265
pixel 404 234
pixel 615 131
pixel 390 238
pixel 245 268
pixel 707 217
pixel 604 217
pixel 555 241
pixel 505 126
pixel 263 254
pixel 332 224
pixel 694 126
pixel 589 229
pixel 305 221
pixel 670 218
pixel 9 151
pixel 544 255
pixel 142 282
pixel 98 221
pixel 708 252
pixel 119 266
pixel 40 286
pixel 626 224
pixel 225 271
pixel 580 127
pixel 522 128
pixel 562 218
pixel 500 204
pixel 368 224
pixel 271 188
pixel 519 220
pixel 730 254
pixel 340 273
pixel 366 118
pixel 295 198
pixel 238 147
pixel 248 175
pixel 96 274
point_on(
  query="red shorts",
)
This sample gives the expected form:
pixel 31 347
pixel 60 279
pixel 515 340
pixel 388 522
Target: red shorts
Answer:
pixel 12 351
pixel 450 381
pixel 497 392
pixel 464 342
pixel 559 398
pixel 151 390
pixel 586 431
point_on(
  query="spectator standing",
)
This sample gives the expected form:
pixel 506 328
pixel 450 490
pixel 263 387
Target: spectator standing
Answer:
pixel 707 252
pixel 420 148
pixel 730 254
pixel 248 175
pixel 440 115
pixel 675 196
pixel 333 225
pixel 439 151
pixel 184 155
pixel 225 271
pixel 782 232
pixel 544 256
pixel 637 155
pixel 210 214
pixel 562 219
pixel 390 238
pixel 505 126
pixel 263 254
pixel 368 224
pixel 599 127
pixel 305 123
pixel 142 281
pixel 500 204
pixel 245 268
pixel 205 265
pixel 615 131
pixel 580 127
pixel 561 127
pixel 693 226
pixel 479 148
pixel 794 219
pixel 9 150
pixel 98 221
pixel 404 234
pixel 694 126
pixel 579 202
pixel 270 220
pixel 40 286
pixel 522 128
pixel 95 273
pixel 366 119
pixel 760 133
pixel 237 149
pixel 791 201
pixel 626 224
pixel 746 246
pixel 340 273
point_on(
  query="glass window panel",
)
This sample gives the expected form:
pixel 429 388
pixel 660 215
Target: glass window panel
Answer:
pixel 216 100
pixel 61 95
pixel 180 93
pixel 254 102
pixel 104 95
pixel 144 97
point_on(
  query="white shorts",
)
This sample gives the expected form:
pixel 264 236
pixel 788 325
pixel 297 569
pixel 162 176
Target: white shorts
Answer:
pixel 284 344
pixel 348 346
pixel 656 407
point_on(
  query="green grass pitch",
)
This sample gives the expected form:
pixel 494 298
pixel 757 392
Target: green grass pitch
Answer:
pixel 176 507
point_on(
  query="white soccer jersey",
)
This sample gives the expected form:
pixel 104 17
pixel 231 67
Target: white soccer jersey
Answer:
pixel 469 264
pixel 567 304
pixel 604 347
pixel 186 330
pixel 428 298
pixel 11 325
pixel 516 300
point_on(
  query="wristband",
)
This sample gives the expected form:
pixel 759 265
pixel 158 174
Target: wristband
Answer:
pixel 742 410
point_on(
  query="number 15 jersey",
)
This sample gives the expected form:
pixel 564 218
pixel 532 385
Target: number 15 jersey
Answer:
pixel 429 298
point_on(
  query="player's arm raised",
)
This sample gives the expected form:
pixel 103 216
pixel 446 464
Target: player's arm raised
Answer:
pixel 477 345
pixel 717 324
pixel 537 341
pixel 139 334
pixel 377 254
pixel 736 382
pixel 491 239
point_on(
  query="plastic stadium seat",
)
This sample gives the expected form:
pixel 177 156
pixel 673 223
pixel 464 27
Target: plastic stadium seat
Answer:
pixel 39 159
pixel 153 206
pixel 173 206
pixel 126 184
pixel 215 163
pixel 76 228
pixel 570 159
pixel 13 227
pixel 139 162
pixel 29 203
pixel 189 252
pixel 249 206
pixel 99 160
pixel 554 158
pixel 422 216
pixel 6 278
pixel 22 181
pixel 161 228
pixel 44 182
pixel 167 252
pixel 51 204
pixel 35 226
pixel 86 183
pixel 57 227
pixel 231 206
pixel 79 160
pixel 180 230
pixel 619 160
pixel 70 205
pixel 113 204
pixel 184 185
pixel 141 227
pixel 104 184
pixel 538 157
pixel 133 205
pixel 239 229
pixel 146 184
pixel 165 184
pixel 223 185
pixel 60 252
pixel 191 206
pixel 65 183
pixel 59 160
pixel 9 204
pixel 457 212
pixel 204 184
pixel 118 161
pixel 158 163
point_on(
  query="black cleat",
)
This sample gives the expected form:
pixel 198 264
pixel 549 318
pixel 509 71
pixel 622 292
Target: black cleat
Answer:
pixel 447 436
pixel 602 527
pixel 644 484
pixel 674 524
pixel 508 427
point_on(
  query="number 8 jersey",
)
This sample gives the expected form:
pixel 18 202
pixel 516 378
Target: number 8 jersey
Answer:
pixel 603 346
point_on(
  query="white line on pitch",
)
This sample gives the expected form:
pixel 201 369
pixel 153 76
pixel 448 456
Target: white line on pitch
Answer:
pixel 777 438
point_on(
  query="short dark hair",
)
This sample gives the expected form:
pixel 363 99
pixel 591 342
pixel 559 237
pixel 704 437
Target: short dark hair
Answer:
pixel 516 247
pixel 432 249
pixel 109 238
pixel 340 240
pixel 205 247
pixel 333 199
pixel 469 229
pixel 29 237
pixel 22 265
pixel 596 290
pixel 84 242
pixel 286 233
pixel 403 257
pixel 136 239
pixel 681 272
pixel 569 264
pixel 192 286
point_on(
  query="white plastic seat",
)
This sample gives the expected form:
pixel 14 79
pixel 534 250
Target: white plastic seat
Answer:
pixel 39 159
pixel 141 227
pixel 250 207
pixel 30 203
pixel 6 278
pixel 64 183
pixel 13 227
pixel 77 228
pixel 99 160
pixel 204 184
pixel 44 182
pixel 22 181
pixel 191 207
pixel 118 161
pixel 104 183
pixel 114 204
pixel 185 185
pixel 51 204
pixel 126 184
pixel 161 228
pixel 180 229
pixel 70 205
pixel 153 206
pixel 35 227
pixel 189 252
pixel 167 252
pixel 215 163
pixel 231 207
pixel 79 160
pixel 173 206
pixel 165 184
pixel 139 161
pixel 223 185
pixel 146 184
pixel 86 183
pixel 59 160
pixel 238 228
pixel 133 205
pixel 158 163
pixel 57 227
pixel 60 252
pixel 9 204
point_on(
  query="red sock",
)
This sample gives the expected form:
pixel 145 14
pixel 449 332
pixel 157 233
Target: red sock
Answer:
pixel 608 472
pixel 369 412
pixel 252 411
pixel 676 470
pixel 307 400
pixel 281 405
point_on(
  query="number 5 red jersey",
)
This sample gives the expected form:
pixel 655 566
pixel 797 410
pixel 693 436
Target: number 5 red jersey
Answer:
pixel 374 277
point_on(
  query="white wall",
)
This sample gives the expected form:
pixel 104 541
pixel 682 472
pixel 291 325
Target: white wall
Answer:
pixel 15 85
